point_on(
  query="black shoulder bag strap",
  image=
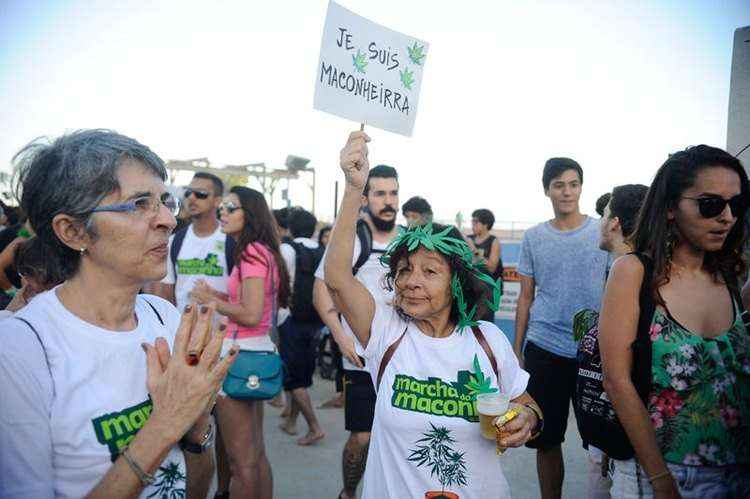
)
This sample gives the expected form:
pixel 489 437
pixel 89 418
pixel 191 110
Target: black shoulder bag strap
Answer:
pixel 174 250
pixel 41 343
pixel 158 315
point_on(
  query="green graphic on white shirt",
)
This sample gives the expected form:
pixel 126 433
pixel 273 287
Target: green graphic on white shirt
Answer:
pixel 208 266
pixel 118 429
pixel 436 451
pixel 455 399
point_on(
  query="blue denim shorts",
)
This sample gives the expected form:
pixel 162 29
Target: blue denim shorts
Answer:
pixel 629 481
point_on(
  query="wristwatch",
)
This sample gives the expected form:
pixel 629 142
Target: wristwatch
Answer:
pixel 206 442
pixel 539 420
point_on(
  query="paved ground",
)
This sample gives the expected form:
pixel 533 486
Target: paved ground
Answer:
pixel 315 472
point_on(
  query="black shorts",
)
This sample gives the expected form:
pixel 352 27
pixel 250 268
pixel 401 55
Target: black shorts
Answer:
pixel 359 401
pixel 552 385
pixel 298 347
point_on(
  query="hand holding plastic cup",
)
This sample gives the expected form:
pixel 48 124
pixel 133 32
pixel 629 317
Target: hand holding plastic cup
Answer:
pixel 489 407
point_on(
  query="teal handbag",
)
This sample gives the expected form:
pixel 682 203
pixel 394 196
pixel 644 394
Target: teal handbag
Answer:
pixel 256 374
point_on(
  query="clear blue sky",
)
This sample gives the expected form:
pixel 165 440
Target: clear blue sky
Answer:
pixel 616 85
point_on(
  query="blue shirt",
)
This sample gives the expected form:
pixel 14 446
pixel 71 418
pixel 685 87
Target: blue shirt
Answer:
pixel 568 269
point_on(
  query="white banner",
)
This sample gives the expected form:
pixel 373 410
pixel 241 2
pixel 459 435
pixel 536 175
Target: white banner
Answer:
pixel 369 73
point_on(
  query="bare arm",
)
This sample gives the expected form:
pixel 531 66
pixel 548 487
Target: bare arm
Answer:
pixel 494 259
pixel 330 317
pixel 249 311
pixel 351 298
pixel 525 299
pixel 618 323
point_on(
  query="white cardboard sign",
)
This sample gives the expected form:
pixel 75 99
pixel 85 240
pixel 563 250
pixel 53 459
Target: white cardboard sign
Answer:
pixel 369 73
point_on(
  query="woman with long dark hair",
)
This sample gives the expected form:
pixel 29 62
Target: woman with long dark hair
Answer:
pixel 258 282
pixel 691 436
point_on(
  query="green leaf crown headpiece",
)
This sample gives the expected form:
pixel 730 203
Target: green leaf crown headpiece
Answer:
pixel 448 246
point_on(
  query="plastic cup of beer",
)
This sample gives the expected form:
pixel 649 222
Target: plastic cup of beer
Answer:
pixel 490 406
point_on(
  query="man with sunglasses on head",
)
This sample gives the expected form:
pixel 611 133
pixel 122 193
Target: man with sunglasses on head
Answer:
pixel 198 251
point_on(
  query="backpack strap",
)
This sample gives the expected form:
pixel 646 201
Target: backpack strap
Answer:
pixel 229 246
pixel 174 250
pixel 364 234
pixel 479 335
pixel 158 315
pixel 387 357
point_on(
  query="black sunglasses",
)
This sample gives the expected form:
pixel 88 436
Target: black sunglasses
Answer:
pixel 712 206
pixel 229 207
pixel 198 194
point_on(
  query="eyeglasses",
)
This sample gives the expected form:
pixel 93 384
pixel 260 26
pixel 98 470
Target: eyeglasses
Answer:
pixel 145 205
pixel 713 206
pixel 198 194
pixel 229 207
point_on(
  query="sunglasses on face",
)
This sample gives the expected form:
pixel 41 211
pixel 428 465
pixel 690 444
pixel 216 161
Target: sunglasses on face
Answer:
pixel 228 207
pixel 713 206
pixel 198 194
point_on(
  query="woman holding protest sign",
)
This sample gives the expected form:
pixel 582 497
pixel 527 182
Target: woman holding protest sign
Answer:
pixel 674 341
pixel 94 402
pixel 430 360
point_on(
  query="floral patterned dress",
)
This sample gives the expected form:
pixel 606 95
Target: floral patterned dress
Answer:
pixel 700 399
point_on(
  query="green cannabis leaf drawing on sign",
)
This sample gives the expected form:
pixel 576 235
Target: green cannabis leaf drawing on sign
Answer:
pixel 359 62
pixel 407 78
pixel 416 54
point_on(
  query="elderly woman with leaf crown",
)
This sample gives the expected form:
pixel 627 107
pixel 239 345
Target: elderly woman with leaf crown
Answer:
pixel 428 357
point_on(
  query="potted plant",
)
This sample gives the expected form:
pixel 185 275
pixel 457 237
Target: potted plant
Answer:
pixel 434 450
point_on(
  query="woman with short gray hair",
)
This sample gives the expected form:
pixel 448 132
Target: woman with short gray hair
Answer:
pixel 85 412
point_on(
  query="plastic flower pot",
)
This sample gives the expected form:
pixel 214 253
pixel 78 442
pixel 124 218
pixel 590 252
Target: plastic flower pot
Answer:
pixel 440 495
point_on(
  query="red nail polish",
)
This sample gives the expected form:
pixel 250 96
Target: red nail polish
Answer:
pixel 204 309
pixel 222 327
pixel 192 359
pixel 188 308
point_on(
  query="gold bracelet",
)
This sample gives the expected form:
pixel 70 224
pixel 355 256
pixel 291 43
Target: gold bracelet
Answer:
pixel 652 479
pixel 145 478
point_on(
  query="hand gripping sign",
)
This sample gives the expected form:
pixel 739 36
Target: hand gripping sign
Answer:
pixel 369 73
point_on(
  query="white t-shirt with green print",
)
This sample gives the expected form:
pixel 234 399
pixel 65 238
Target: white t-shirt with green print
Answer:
pixel 426 436
pixel 199 258
pixel 65 416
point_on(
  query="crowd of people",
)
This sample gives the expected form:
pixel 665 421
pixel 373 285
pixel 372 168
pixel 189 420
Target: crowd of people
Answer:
pixel 145 333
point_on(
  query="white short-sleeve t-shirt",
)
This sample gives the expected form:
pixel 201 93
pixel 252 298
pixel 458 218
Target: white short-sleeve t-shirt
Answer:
pixel 199 258
pixel 370 274
pixel 425 404
pixel 65 416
